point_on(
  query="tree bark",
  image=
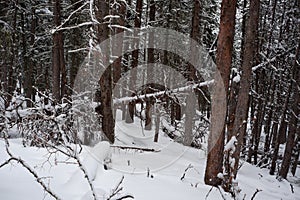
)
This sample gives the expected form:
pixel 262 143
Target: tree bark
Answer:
pixel 106 80
pixel 151 59
pixel 293 120
pixel 135 60
pixel 224 57
pixel 58 63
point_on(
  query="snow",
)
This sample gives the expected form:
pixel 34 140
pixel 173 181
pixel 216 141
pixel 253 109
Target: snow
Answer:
pixel 147 175
pixel 237 78
pixel 231 144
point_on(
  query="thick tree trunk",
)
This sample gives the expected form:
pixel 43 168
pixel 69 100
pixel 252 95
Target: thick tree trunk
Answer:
pixel 224 57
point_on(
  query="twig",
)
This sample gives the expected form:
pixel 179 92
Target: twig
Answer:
pixel 183 175
pixel 209 192
pixel 86 176
pixel 117 190
pixel 80 166
pixel 136 148
pixel 29 169
pixel 222 195
pixel 255 193
pixel 292 188
pixel 206 196
pixel 125 197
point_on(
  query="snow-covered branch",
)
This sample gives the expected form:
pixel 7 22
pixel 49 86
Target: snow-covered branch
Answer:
pixel 268 61
pixel 168 92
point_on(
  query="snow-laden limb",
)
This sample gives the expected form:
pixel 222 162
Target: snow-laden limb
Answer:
pixel 92 12
pixel 120 27
pixel 29 169
pixel 77 50
pixel 73 27
pixel 168 92
pixel 69 17
pixel 272 59
pixel 92 22
pixel 111 17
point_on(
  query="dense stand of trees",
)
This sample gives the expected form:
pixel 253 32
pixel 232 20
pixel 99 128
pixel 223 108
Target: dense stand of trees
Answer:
pixel 254 43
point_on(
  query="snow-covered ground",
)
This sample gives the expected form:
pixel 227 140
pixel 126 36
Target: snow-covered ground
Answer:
pixel 147 175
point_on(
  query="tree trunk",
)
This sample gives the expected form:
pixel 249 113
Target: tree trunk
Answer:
pixel 135 60
pixel 190 99
pixel 278 135
pixel 293 120
pixel 148 121
pixel 223 61
pixel 106 81
pixel 242 107
pixel 296 154
pixel 58 64
pixel 157 122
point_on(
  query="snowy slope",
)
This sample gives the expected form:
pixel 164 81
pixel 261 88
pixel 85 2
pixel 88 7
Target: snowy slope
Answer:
pixel 147 175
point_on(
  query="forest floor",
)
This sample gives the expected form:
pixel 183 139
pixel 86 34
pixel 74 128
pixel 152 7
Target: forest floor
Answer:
pixel 171 172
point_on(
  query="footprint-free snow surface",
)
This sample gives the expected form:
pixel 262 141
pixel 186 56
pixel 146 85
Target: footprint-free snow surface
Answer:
pixel 150 171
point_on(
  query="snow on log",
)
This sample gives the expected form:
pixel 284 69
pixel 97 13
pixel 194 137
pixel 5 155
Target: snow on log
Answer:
pixel 168 92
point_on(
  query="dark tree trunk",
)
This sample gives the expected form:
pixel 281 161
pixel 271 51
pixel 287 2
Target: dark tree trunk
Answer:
pixel 58 63
pixel 151 59
pixel 293 120
pixel 135 60
pixel 106 81
pixel 118 45
pixel 275 147
pixel 157 122
pixel 296 154
pixel 280 132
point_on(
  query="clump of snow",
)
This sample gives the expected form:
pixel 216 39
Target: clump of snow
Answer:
pixel 220 175
pixel 237 78
pixel 231 144
pixel 96 158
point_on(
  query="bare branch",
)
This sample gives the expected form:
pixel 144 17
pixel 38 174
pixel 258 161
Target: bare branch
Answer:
pixel 188 167
pixel 117 190
pixel 29 169
pixel 255 193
